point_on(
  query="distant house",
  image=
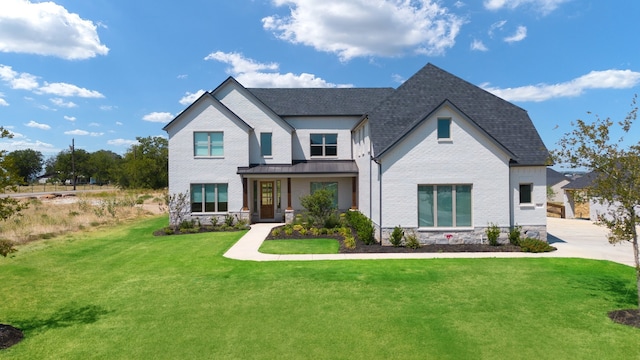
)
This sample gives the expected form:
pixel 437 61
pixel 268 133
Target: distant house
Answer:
pixel 555 182
pixel 438 156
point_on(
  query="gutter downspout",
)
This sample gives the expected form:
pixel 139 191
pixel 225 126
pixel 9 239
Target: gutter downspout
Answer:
pixel 377 161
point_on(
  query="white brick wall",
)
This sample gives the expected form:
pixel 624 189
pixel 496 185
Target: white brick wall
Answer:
pixel 469 158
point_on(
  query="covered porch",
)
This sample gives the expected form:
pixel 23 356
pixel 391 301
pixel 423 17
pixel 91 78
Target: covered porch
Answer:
pixel 271 193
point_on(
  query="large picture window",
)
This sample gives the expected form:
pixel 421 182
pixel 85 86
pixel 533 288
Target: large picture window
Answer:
pixel 324 144
pixel 331 186
pixel 209 198
pixel 444 206
pixel 208 143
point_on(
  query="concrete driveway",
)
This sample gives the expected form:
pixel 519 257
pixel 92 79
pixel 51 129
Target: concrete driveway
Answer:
pixel 584 239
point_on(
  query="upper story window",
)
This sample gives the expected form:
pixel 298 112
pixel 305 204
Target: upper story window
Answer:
pixel 208 143
pixel 266 144
pixel 324 144
pixel 526 193
pixel 444 128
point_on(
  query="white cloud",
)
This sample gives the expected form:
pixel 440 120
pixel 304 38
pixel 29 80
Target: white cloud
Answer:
pixel 64 89
pixel 94 124
pixel 478 45
pixel 37 145
pixel 520 34
pixel 496 26
pixel 119 123
pixel 122 142
pixel 33 124
pixel 607 79
pixel 189 98
pixel 3 102
pixel 239 63
pixel 543 6
pixel 107 107
pixel 47 28
pixel 21 81
pixel 367 28
pixel 251 73
pixel 79 132
pixel 160 117
pixel 61 103
pixel 70 118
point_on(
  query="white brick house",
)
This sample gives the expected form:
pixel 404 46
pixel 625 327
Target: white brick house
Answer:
pixel 438 156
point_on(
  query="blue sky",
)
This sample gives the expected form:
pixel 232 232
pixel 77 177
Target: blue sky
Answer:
pixel 103 72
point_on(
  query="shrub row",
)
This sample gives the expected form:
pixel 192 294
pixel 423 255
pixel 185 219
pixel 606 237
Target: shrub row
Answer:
pixel 362 225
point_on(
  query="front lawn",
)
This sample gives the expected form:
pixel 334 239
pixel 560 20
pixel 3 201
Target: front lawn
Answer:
pixel 125 294
pixel 301 246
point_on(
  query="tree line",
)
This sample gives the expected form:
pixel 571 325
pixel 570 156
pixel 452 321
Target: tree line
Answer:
pixel 143 166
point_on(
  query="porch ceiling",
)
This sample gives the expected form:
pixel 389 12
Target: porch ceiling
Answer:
pixel 319 167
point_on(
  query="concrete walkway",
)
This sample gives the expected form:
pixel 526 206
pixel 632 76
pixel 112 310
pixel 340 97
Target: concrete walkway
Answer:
pixel 573 238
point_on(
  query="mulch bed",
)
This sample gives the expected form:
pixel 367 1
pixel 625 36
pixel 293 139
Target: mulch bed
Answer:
pixel 629 317
pixel 9 336
pixel 377 248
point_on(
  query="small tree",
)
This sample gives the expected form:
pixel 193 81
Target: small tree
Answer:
pixel 8 206
pixel 178 208
pixel 616 174
pixel 318 205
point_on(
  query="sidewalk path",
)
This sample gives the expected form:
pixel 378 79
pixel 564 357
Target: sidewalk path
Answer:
pixel 573 238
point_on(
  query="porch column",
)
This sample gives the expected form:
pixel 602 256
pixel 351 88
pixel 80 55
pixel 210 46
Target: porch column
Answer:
pixel 245 195
pixel 289 207
pixel 354 193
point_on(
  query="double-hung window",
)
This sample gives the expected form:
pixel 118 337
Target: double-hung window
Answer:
pixel 444 206
pixel 208 143
pixel 324 145
pixel 207 198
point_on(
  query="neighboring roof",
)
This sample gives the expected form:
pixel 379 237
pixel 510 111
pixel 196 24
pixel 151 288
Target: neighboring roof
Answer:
pixel 321 101
pixel 554 177
pixel 582 182
pixel 508 124
pixel 307 167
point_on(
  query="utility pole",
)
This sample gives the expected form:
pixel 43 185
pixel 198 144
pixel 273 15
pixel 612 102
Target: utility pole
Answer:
pixel 73 164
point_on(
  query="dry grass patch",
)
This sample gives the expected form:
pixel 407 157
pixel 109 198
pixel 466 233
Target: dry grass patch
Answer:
pixel 48 216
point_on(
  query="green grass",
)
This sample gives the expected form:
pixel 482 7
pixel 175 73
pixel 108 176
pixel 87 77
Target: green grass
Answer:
pixel 124 294
pixel 306 246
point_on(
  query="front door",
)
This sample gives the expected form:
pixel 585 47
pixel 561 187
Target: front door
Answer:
pixel 266 200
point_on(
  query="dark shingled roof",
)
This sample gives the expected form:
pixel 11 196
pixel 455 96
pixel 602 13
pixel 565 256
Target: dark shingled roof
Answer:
pixel 307 167
pixel 321 101
pixel 582 182
pixel 554 177
pixel 508 124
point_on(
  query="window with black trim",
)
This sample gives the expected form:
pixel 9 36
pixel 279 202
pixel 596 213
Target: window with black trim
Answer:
pixel 526 193
pixel 324 145
pixel 207 198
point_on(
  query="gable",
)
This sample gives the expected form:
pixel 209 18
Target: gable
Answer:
pixel 508 124
pixel 204 102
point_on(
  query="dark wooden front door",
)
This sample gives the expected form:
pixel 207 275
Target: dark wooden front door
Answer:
pixel 266 200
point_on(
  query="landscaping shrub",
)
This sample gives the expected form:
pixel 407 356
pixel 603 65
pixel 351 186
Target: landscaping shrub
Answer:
pixel 319 206
pixel 362 225
pixel 396 236
pixel 535 246
pixel 276 232
pixel 411 241
pixel 514 235
pixel 229 220
pixel 6 247
pixel 349 242
pixel 493 233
